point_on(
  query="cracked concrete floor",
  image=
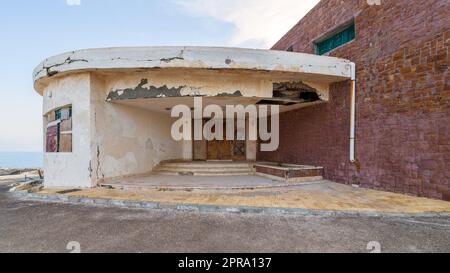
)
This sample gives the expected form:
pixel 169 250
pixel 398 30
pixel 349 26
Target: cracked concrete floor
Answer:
pixel 48 227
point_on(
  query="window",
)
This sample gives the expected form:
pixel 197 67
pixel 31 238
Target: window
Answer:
pixel 342 37
pixel 59 131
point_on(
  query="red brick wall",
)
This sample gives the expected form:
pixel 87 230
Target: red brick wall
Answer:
pixel 403 98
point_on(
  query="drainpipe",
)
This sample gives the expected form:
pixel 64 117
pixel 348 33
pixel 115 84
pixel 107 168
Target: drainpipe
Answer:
pixel 353 113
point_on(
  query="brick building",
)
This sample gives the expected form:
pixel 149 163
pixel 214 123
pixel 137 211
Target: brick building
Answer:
pixel 401 49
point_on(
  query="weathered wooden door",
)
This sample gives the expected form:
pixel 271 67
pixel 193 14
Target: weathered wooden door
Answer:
pixel 220 149
pixel 226 149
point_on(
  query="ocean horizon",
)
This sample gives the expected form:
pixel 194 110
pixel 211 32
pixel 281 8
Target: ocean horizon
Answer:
pixel 21 160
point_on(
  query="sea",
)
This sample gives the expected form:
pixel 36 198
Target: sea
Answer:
pixel 21 160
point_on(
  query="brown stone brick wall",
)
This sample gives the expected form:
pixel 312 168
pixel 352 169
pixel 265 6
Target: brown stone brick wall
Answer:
pixel 271 171
pixel 305 173
pixel 403 98
pixel 289 173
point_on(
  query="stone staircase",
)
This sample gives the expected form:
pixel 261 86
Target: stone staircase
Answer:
pixel 205 168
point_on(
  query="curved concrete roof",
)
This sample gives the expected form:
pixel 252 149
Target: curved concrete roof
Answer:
pixel 193 58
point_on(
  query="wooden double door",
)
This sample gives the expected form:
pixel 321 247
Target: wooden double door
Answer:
pixel 228 149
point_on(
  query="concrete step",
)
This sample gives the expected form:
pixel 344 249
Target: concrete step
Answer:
pixel 205 171
pixel 186 169
pixel 212 170
pixel 205 168
pixel 204 174
pixel 206 165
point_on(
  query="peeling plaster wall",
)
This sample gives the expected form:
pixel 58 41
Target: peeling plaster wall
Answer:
pixel 127 140
pixel 70 169
pixel 192 83
pixel 112 140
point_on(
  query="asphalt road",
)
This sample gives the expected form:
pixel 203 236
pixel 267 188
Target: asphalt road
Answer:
pixel 48 227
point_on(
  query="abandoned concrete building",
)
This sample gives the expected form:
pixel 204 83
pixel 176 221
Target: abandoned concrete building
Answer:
pixel 107 112
pixel 364 97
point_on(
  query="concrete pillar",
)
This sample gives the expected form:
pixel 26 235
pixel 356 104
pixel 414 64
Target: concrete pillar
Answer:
pixel 251 144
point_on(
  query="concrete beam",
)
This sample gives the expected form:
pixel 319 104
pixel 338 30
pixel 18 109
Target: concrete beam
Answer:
pixel 317 68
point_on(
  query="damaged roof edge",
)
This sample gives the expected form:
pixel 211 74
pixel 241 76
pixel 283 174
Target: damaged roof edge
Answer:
pixel 193 58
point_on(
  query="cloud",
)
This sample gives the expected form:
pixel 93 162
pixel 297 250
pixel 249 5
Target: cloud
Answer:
pixel 258 23
pixel 73 2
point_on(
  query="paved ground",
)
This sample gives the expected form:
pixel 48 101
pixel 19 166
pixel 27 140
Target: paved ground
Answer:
pixel 192 182
pixel 322 195
pixel 47 227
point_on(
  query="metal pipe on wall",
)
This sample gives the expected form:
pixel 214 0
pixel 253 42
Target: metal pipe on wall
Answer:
pixel 353 114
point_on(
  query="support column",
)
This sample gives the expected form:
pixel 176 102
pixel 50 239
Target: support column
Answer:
pixel 251 144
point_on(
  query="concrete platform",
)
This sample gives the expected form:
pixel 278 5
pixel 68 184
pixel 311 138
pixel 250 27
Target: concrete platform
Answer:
pixel 198 182
pixel 319 198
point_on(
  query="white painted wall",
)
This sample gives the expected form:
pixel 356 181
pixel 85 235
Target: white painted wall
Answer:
pixel 70 169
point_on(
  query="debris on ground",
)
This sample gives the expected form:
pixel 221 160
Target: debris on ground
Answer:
pixel 30 180
pixel 31 186
pixel 108 187
pixel 20 175
pixel 68 191
pixel 8 172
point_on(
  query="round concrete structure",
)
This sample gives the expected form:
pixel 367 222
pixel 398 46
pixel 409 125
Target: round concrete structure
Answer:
pixel 107 112
pixel 317 68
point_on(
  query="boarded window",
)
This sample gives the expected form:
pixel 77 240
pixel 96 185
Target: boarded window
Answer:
pixel 336 40
pixel 52 138
pixel 59 131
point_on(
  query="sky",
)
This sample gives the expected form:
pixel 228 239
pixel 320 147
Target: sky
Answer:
pixel 32 30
